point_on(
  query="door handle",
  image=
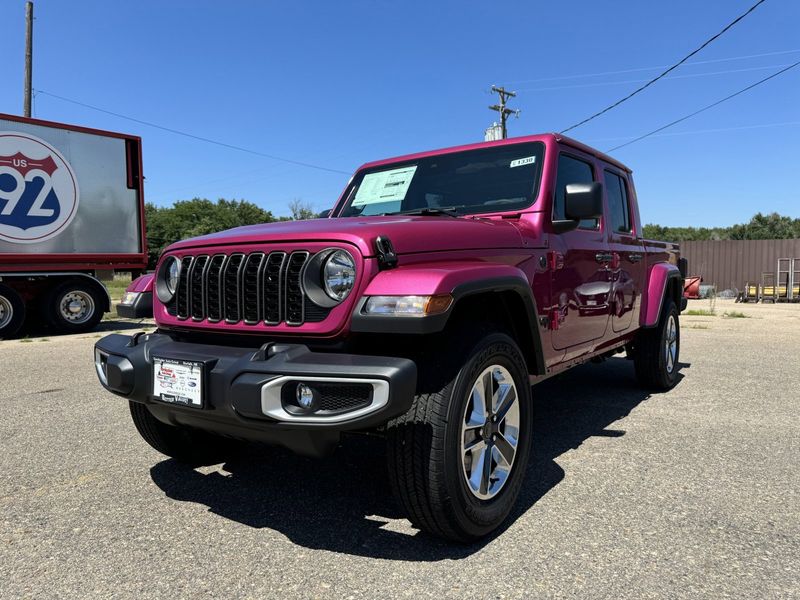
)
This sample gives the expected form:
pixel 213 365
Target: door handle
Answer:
pixel 555 260
pixel 603 257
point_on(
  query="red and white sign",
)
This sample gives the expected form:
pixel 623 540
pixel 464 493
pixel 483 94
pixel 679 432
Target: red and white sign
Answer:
pixel 38 189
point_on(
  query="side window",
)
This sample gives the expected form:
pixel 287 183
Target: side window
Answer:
pixel 618 213
pixel 571 170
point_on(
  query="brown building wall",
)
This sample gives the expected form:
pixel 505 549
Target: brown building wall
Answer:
pixel 731 263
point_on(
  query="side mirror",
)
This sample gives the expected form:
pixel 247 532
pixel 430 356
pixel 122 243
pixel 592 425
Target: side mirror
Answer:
pixel 581 201
pixel 584 201
pixel 325 214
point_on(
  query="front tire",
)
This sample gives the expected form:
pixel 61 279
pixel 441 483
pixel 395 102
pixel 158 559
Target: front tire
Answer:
pixel 185 445
pixel 457 458
pixel 657 351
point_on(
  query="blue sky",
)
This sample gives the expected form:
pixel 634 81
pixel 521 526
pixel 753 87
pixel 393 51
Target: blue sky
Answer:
pixel 341 83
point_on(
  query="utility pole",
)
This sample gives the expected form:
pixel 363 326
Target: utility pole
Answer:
pixel 28 57
pixel 501 108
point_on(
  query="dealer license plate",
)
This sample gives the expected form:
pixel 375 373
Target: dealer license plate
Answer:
pixel 178 381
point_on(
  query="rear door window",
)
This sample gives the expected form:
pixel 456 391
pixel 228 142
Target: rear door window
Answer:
pixel 572 170
pixel 619 216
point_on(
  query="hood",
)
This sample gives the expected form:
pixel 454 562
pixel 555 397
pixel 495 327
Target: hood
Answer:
pixel 409 234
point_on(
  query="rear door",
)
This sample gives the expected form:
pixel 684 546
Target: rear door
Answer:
pixel 626 269
pixel 580 286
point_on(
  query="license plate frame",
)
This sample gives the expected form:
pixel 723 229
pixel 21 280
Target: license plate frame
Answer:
pixel 179 382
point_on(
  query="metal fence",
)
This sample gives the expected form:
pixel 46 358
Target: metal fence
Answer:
pixel 730 264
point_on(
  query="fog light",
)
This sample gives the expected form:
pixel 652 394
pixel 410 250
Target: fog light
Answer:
pixel 305 396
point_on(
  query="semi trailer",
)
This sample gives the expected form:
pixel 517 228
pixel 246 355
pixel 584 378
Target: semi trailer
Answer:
pixel 71 215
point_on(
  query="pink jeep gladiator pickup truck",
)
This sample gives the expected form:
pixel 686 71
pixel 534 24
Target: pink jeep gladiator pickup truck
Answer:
pixel 440 287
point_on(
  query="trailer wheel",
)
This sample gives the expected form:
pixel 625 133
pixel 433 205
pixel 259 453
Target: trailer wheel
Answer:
pixel 74 306
pixel 12 311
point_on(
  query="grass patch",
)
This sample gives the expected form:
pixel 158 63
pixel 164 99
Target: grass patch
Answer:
pixel 698 326
pixel 116 287
pixel 735 314
pixel 26 340
pixel 700 312
pixel 44 340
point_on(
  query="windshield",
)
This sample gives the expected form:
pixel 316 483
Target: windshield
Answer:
pixel 495 179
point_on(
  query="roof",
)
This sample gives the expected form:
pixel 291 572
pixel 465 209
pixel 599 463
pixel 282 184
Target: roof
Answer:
pixel 540 137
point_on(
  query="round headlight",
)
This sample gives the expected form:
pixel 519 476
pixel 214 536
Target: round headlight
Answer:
pixel 339 275
pixel 167 280
pixel 172 274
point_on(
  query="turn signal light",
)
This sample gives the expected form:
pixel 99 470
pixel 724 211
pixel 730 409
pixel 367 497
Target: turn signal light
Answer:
pixel 409 306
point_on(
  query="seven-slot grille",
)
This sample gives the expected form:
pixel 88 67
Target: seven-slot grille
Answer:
pixel 254 288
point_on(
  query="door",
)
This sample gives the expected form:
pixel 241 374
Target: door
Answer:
pixel 627 252
pixel 581 286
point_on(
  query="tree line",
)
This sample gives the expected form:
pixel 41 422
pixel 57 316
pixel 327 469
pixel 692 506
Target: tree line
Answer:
pixel 199 216
pixel 761 227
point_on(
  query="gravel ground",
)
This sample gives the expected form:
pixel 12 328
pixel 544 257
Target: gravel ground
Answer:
pixel 692 493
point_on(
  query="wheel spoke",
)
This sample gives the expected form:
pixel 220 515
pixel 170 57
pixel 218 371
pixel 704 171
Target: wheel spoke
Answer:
pixel 486 471
pixel 474 445
pixel 507 397
pixel 477 412
pixel 506 448
pixel 488 392
pixel 476 474
pixel 501 469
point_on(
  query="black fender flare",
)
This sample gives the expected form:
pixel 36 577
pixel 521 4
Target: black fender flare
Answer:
pixel 362 323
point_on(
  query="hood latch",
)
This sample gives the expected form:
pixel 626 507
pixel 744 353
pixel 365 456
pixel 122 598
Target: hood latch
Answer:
pixel 387 258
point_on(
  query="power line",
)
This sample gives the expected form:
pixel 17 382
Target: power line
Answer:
pixel 622 71
pixel 696 131
pixel 195 137
pixel 705 108
pixel 670 69
pixel 687 76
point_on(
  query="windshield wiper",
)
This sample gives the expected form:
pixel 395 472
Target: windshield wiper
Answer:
pixel 429 211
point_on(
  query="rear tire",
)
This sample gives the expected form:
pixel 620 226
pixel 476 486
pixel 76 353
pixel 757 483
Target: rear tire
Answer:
pixel 74 306
pixel 185 445
pixel 12 311
pixel 657 351
pixel 439 450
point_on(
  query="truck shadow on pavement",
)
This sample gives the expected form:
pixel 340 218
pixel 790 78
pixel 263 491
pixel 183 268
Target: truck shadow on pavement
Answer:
pixel 343 503
pixel 35 328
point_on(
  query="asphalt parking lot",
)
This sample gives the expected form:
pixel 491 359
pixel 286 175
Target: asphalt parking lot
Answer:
pixel 692 493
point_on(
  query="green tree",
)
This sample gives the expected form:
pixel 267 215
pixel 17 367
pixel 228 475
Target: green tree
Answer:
pixel 760 227
pixel 199 216
pixel 767 227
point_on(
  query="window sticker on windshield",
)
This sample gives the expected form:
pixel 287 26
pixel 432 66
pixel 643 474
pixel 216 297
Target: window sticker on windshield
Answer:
pixel 386 186
pixel 522 161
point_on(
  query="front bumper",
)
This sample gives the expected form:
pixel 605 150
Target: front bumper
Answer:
pixel 243 388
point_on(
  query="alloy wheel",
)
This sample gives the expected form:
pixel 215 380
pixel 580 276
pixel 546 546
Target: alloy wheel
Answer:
pixel 671 344
pixel 490 432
